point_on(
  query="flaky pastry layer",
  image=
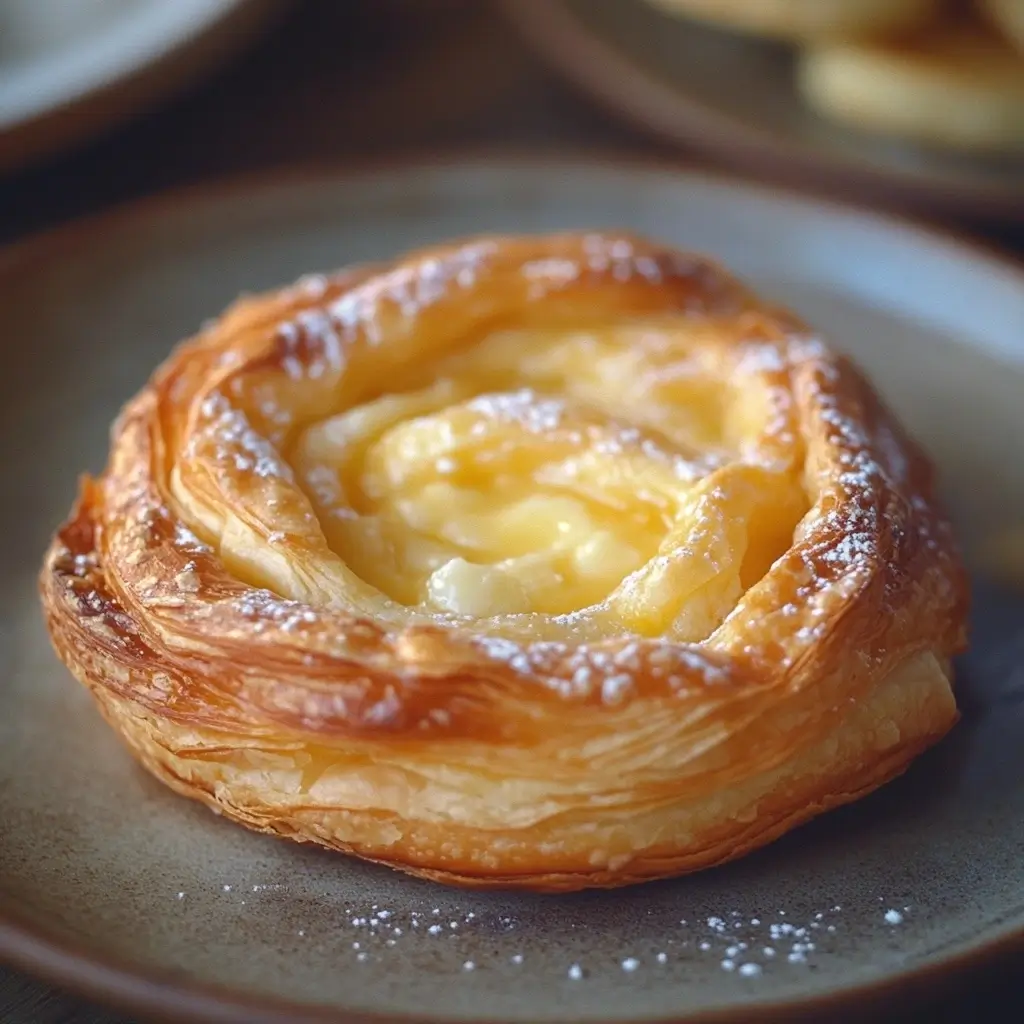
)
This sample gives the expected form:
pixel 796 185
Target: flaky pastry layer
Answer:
pixel 534 562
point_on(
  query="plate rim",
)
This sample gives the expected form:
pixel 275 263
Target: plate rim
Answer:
pixel 626 88
pixel 140 84
pixel 29 947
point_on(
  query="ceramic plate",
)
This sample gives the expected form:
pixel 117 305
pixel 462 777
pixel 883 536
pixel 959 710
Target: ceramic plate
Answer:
pixel 733 96
pixel 110 882
pixel 70 68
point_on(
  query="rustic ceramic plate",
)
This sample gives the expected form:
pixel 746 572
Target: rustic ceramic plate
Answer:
pixel 68 69
pixel 111 883
pixel 733 96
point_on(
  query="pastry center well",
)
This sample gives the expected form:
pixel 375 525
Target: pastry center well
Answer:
pixel 533 473
pixel 543 477
pixel 492 506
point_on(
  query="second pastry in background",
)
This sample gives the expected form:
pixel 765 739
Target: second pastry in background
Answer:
pixel 957 85
pixel 798 20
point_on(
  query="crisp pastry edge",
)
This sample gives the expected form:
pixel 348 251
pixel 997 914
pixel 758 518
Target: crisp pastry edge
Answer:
pixel 906 712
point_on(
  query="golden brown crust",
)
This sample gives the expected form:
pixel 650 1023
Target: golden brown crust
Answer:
pixel 813 597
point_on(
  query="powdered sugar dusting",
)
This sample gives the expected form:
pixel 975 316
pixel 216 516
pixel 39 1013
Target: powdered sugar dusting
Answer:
pixel 523 407
pixel 309 346
pixel 186 540
pixel 235 444
pixel 607 671
pixel 408 290
pixel 266 608
pixel 467 937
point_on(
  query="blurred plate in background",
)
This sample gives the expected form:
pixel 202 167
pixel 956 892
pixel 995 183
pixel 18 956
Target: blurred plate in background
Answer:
pixel 69 68
pixel 733 96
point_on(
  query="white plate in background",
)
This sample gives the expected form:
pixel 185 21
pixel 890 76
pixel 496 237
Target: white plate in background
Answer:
pixel 69 68
pixel 732 96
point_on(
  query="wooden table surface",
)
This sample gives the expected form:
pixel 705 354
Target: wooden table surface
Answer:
pixel 337 81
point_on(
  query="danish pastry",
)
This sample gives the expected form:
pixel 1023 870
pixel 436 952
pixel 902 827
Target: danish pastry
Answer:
pixel 547 563
pixel 799 20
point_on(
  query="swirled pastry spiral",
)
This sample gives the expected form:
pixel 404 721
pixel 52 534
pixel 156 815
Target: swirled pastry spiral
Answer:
pixel 537 562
